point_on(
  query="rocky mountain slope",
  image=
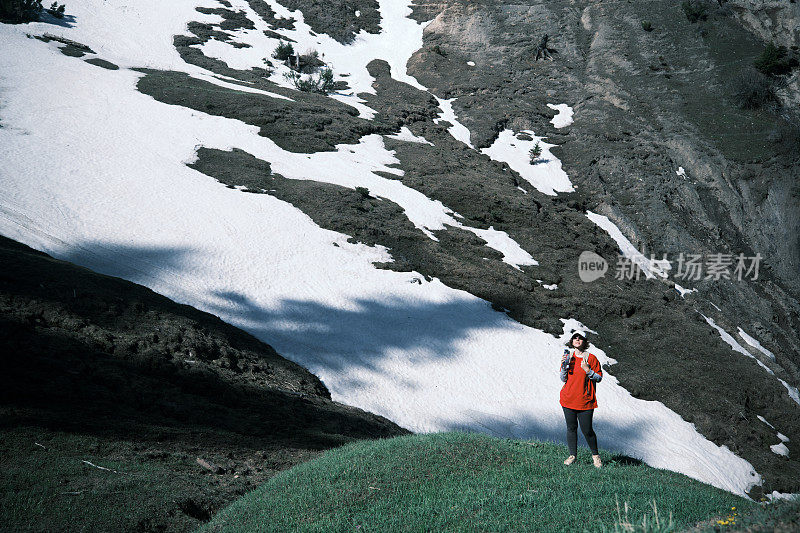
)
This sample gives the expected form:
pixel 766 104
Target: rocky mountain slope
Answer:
pixel 657 145
pixel 646 104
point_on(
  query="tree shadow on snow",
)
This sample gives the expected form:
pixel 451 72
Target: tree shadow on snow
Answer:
pixel 339 339
pixel 367 332
pixel 67 21
pixel 139 264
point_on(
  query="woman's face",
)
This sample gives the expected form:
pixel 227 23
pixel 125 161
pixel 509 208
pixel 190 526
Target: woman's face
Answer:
pixel 577 342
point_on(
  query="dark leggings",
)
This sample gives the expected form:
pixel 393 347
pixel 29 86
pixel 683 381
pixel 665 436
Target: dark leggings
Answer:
pixel 585 418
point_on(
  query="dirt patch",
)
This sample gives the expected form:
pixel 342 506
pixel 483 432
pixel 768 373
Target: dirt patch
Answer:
pixel 337 18
pixel 102 63
pixel 312 123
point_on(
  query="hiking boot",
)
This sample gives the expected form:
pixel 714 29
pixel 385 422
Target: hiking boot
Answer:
pixel 598 463
pixel 569 460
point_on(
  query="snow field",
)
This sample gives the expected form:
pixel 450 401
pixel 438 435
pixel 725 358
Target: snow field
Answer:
pixel 116 196
pixel 399 38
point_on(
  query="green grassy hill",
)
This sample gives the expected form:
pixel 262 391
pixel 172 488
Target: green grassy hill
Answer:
pixel 459 481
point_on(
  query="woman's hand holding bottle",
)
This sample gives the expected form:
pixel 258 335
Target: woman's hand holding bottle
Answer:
pixel 565 359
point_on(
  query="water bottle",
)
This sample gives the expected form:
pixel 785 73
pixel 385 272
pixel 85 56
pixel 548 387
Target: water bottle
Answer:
pixel 565 361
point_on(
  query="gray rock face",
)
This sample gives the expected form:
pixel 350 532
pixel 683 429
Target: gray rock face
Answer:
pixel 778 22
pixel 772 20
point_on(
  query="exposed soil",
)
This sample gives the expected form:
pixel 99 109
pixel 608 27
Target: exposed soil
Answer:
pixel 96 61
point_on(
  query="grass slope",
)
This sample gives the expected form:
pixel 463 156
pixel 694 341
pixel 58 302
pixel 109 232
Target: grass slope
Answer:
pixel 460 481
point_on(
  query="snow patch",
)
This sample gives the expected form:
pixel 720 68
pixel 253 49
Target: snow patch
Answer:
pixel 683 292
pixel 220 81
pixel 765 421
pixel 794 394
pixel 564 116
pixel 513 254
pixel 545 173
pixel 755 344
pixel 457 129
pixel 782 496
pixel 650 267
pixel 780 449
pixel 406 135
pixel 733 344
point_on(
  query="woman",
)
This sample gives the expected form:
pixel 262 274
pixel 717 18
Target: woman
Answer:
pixel 580 371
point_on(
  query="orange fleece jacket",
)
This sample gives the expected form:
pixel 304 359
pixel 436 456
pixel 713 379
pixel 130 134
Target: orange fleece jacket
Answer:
pixel 579 391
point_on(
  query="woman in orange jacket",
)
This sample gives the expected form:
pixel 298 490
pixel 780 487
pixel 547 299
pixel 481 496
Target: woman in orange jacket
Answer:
pixel 580 372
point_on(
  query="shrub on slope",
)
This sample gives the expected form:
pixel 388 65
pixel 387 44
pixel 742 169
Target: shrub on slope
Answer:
pixel 20 10
pixel 457 482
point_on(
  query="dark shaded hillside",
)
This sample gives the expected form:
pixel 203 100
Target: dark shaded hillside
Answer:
pixel 100 369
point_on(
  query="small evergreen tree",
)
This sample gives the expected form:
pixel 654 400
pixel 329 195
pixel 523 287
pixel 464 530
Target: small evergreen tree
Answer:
pixel 284 51
pixel 326 81
pixel 309 61
pixel 535 152
pixel 57 10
